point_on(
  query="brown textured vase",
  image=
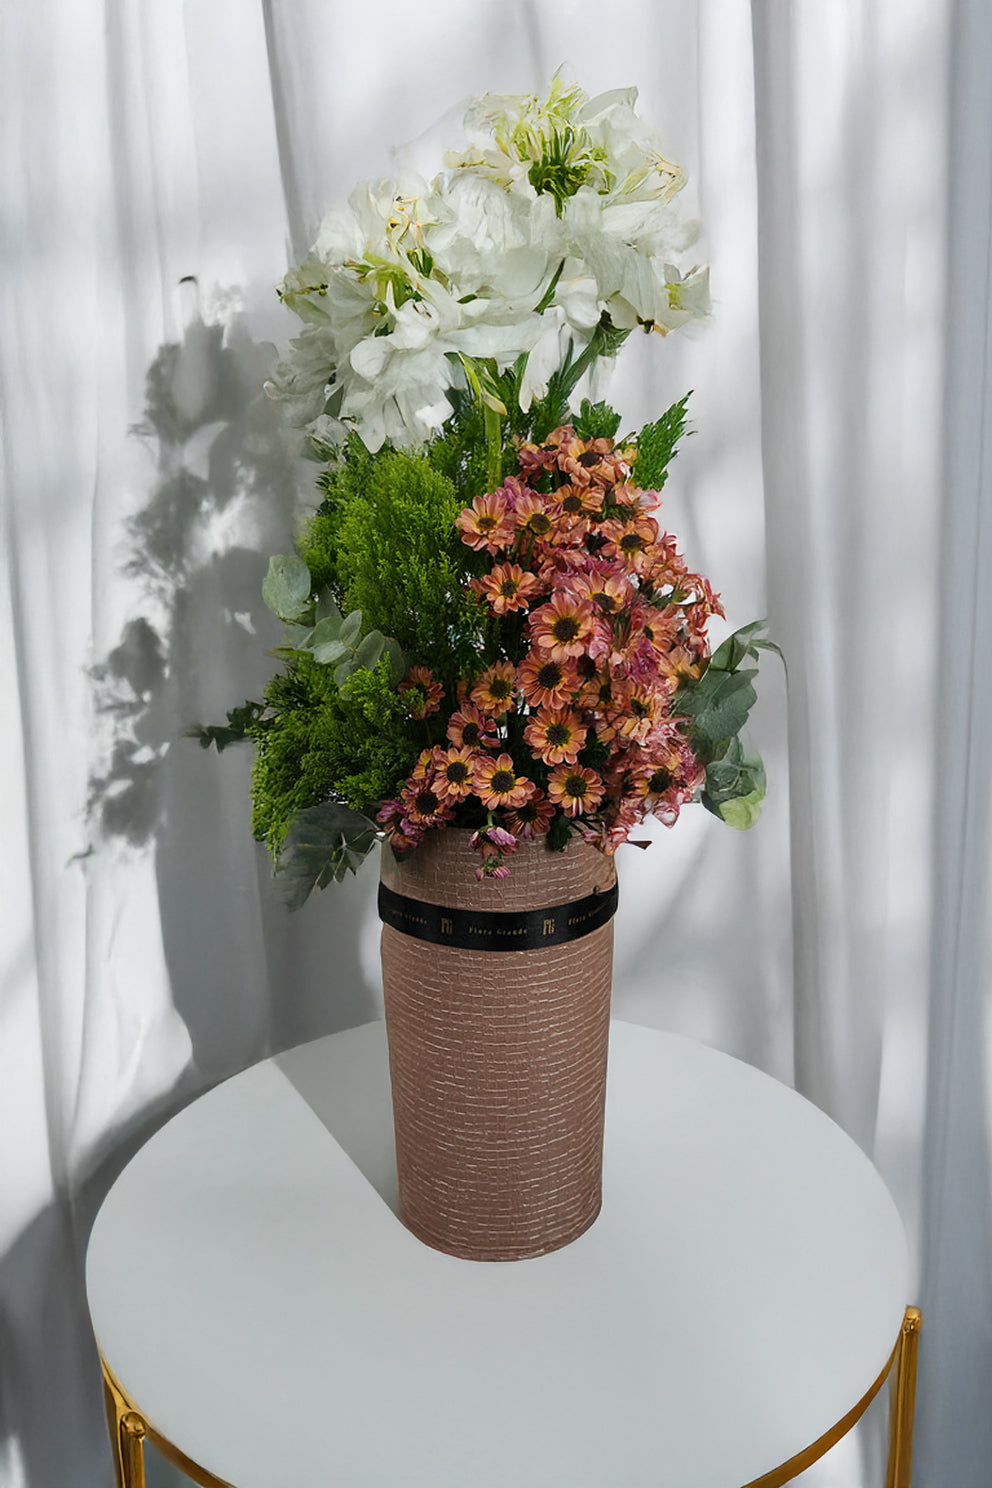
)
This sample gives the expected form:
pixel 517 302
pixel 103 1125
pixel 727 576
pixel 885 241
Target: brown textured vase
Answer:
pixel 498 1058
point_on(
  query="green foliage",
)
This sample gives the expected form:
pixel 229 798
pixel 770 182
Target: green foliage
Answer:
pixel 286 586
pixel 735 786
pixel 716 710
pixel 342 483
pixel 235 731
pixel 596 421
pixel 458 452
pixel 323 844
pixel 400 560
pixel 657 444
pixel 320 742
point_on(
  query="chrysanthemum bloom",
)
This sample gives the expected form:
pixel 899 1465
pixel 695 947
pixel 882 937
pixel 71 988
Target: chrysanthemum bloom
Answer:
pixel 532 818
pixel 493 844
pixel 401 834
pixel 496 783
pixel 493 837
pixel 591 461
pixel 420 692
pixel 508 588
pixel 678 664
pixel 577 501
pixel 607 587
pixel 531 516
pixel 423 804
pixel 637 709
pixel 562 627
pixel 453 770
pixel 547 683
pixel 494 690
pixel 629 542
pixel 575 788
pixel 486 523
pixel 469 728
pixel 424 766
pixel 556 734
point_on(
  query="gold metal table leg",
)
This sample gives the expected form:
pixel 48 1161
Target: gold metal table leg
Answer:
pixel 903 1402
pixel 127 1434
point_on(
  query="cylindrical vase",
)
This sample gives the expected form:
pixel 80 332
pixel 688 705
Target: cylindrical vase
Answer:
pixel 497 999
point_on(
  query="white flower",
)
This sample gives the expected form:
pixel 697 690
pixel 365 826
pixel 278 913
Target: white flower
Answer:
pixel 564 203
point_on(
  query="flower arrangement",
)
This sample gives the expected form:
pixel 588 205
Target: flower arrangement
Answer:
pixel 487 625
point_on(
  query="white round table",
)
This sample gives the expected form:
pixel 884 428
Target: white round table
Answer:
pixel 264 1314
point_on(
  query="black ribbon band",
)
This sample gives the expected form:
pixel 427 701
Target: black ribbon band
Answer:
pixel 497 930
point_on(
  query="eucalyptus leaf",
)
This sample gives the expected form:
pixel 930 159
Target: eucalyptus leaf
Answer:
pixel 343 671
pixel 286 586
pixel 327 608
pixel 369 649
pixel 718 706
pixel 351 628
pixel 743 811
pixel 328 652
pixel 296 637
pixel 323 844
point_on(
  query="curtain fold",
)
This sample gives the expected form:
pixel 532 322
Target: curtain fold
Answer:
pixel 159 167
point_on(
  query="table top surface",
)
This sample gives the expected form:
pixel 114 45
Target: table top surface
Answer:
pixel 256 1295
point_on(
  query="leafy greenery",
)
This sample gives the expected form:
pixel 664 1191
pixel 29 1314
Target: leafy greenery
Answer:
pixel 656 446
pixel 320 742
pixel 596 421
pixel 235 731
pixel 716 709
pixel 400 561
pixel 323 844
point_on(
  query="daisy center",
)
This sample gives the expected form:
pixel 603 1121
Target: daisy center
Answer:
pixel 572 505
pixel 500 688
pixel 457 772
pixel 471 734
pixel 502 782
pixel 660 781
pixel 508 588
pixel 558 733
pixel 550 675
pixel 632 542
pixel 426 802
pixel 576 786
pixel 565 628
pixel 539 523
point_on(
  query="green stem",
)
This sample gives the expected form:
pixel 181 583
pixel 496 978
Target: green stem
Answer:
pixel 494 447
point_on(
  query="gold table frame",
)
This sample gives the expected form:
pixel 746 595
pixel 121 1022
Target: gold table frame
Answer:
pixel 129 1429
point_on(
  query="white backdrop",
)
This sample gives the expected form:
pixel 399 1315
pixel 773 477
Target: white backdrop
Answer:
pixel 161 164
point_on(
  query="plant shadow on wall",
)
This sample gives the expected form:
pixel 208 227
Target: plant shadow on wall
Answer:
pixel 228 484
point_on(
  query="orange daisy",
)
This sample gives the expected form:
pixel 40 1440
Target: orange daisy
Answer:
pixel 556 734
pixel 564 626
pixel 629 541
pixel 577 501
pixel 495 688
pixel 453 771
pixel 576 789
pixel 469 728
pixel 532 818
pixel 508 588
pixel 486 523
pixel 423 805
pixel 530 515
pixel 496 783
pixel 547 683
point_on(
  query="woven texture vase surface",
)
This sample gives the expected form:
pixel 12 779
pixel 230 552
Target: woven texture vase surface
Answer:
pixel 498 1058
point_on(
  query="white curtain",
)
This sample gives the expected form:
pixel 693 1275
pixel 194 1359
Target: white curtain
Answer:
pixel 161 164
